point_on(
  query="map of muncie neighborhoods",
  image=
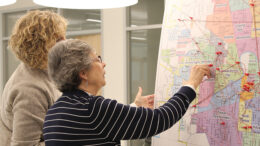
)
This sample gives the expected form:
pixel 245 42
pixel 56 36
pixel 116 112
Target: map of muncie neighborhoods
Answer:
pixel 225 35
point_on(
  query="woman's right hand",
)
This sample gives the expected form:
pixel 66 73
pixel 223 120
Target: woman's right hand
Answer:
pixel 197 73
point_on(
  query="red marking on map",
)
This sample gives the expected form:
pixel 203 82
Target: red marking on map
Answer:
pixel 251 83
pixel 245 127
pixel 219 53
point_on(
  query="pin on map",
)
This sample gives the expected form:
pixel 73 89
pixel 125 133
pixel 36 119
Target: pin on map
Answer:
pixel 222 123
pixel 194 105
pixel 247 127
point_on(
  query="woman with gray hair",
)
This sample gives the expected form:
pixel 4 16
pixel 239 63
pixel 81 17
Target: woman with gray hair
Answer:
pixel 80 117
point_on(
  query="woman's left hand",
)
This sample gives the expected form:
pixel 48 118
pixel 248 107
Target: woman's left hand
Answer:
pixel 144 101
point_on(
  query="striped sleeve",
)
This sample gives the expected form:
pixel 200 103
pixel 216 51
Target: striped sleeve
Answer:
pixel 125 122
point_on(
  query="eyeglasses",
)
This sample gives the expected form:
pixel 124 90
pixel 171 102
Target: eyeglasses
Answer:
pixel 100 59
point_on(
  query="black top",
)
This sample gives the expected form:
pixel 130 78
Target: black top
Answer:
pixel 78 118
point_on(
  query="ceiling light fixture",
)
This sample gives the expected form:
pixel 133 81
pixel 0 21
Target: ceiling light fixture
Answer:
pixel 94 20
pixel 6 2
pixel 138 38
pixel 86 4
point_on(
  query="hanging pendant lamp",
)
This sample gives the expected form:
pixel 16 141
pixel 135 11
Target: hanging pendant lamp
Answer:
pixel 86 4
pixel 6 2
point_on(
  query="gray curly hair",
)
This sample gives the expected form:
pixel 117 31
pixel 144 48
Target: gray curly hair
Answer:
pixel 65 60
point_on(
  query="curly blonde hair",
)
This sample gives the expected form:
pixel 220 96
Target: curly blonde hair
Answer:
pixel 34 34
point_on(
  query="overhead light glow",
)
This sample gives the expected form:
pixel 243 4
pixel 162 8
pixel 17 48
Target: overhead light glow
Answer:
pixel 86 4
pixel 94 20
pixel 138 38
pixel 6 2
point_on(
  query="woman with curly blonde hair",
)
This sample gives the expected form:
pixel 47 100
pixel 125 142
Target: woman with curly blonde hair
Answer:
pixel 29 92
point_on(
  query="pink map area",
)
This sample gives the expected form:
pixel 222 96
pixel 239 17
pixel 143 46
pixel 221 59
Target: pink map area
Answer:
pixel 243 26
pixel 220 126
pixel 218 22
pixel 206 92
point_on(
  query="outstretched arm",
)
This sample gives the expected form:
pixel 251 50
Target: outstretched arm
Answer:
pixel 143 122
pixel 125 122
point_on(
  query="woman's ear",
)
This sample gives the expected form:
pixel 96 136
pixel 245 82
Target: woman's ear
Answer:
pixel 83 75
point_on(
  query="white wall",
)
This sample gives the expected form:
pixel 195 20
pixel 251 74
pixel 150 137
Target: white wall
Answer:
pixel 114 52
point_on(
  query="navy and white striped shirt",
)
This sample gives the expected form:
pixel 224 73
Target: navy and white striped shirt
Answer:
pixel 80 119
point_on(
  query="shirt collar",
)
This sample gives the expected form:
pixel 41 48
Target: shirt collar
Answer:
pixel 77 92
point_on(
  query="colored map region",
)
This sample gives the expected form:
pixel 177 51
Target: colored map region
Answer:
pixel 225 34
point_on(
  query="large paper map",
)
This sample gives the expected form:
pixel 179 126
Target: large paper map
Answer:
pixel 225 35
